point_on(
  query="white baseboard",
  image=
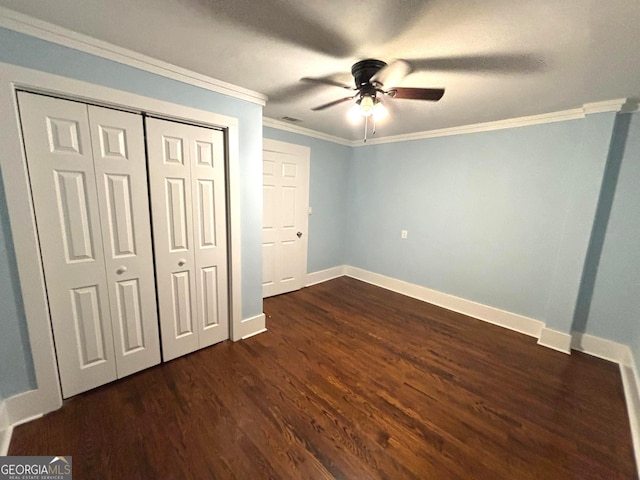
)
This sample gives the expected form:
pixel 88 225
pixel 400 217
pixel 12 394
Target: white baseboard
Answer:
pixel 502 318
pixel 599 347
pixel 251 326
pixel 325 275
pixel 631 383
pixel 556 340
pixel 5 430
pixel 254 334
pixel 4 416
pixel 26 406
pixel 5 440
pixel 622 355
pixel 547 337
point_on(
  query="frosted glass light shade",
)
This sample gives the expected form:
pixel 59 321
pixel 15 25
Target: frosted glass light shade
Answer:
pixel 366 106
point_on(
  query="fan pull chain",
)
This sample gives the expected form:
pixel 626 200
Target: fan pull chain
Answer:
pixel 366 127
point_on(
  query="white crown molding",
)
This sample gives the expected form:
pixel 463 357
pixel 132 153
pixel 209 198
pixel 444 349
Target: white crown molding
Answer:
pixel 561 116
pixel 26 24
pixel 617 105
pixel 603 107
pixel 287 127
pixel 21 23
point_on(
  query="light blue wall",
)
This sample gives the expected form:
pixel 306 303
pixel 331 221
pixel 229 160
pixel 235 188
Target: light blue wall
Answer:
pixel 327 197
pixel 585 185
pixel 502 218
pixel 30 52
pixel 16 367
pixel 615 306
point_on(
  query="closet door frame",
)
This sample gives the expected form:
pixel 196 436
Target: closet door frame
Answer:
pixel 46 395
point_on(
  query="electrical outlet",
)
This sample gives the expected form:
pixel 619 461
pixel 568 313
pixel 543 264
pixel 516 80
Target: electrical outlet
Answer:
pixel 403 235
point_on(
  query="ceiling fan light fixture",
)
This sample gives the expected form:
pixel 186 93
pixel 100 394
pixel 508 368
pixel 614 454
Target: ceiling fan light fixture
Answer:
pixel 367 105
pixel 374 79
pixel 380 111
pixel 353 114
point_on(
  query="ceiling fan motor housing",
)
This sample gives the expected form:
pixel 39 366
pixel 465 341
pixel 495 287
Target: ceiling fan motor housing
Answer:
pixel 369 91
pixel 365 69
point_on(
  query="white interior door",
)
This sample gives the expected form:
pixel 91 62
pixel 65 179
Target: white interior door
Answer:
pixel 101 327
pixel 189 220
pixel 60 161
pixel 285 186
pixel 208 189
pixel 123 198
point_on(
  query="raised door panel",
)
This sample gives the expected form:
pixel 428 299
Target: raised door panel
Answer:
pixel 121 178
pixel 88 319
pixel 288 243
pixel 210 234
pixel 61 170
pixel 270 219
pixel 168 147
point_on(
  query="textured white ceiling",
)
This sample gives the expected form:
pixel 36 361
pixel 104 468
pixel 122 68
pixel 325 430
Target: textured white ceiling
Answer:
pixel 497 59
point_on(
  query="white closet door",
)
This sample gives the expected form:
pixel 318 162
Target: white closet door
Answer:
pixel 121 178
pixel 210 233
pixel 186 167
pixel 61 169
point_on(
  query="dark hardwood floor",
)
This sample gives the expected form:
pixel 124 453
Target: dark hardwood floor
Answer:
pixel 352 382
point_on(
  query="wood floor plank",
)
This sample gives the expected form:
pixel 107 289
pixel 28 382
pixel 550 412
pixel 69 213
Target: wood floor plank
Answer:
pixel 352 381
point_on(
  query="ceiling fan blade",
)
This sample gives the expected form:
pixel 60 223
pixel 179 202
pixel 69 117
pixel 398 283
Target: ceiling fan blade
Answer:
pixel 391 74
pixel 507 63
pixel 326 81
pixel 283 21
pixel 331 104
pixel 433 94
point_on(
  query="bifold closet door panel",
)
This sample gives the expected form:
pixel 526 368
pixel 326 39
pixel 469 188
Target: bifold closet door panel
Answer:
pixel 61 169
pixel 210 229
pixel 171 207
pixel 87 168
pixel 121 179
pixel 186 172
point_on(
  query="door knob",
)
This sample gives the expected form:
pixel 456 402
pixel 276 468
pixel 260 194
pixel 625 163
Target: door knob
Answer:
pixel 299 234
pixel 181 262
pixel 121 270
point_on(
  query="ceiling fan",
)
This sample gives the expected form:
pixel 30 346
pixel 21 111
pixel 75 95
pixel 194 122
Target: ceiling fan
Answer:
pixel 375 79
